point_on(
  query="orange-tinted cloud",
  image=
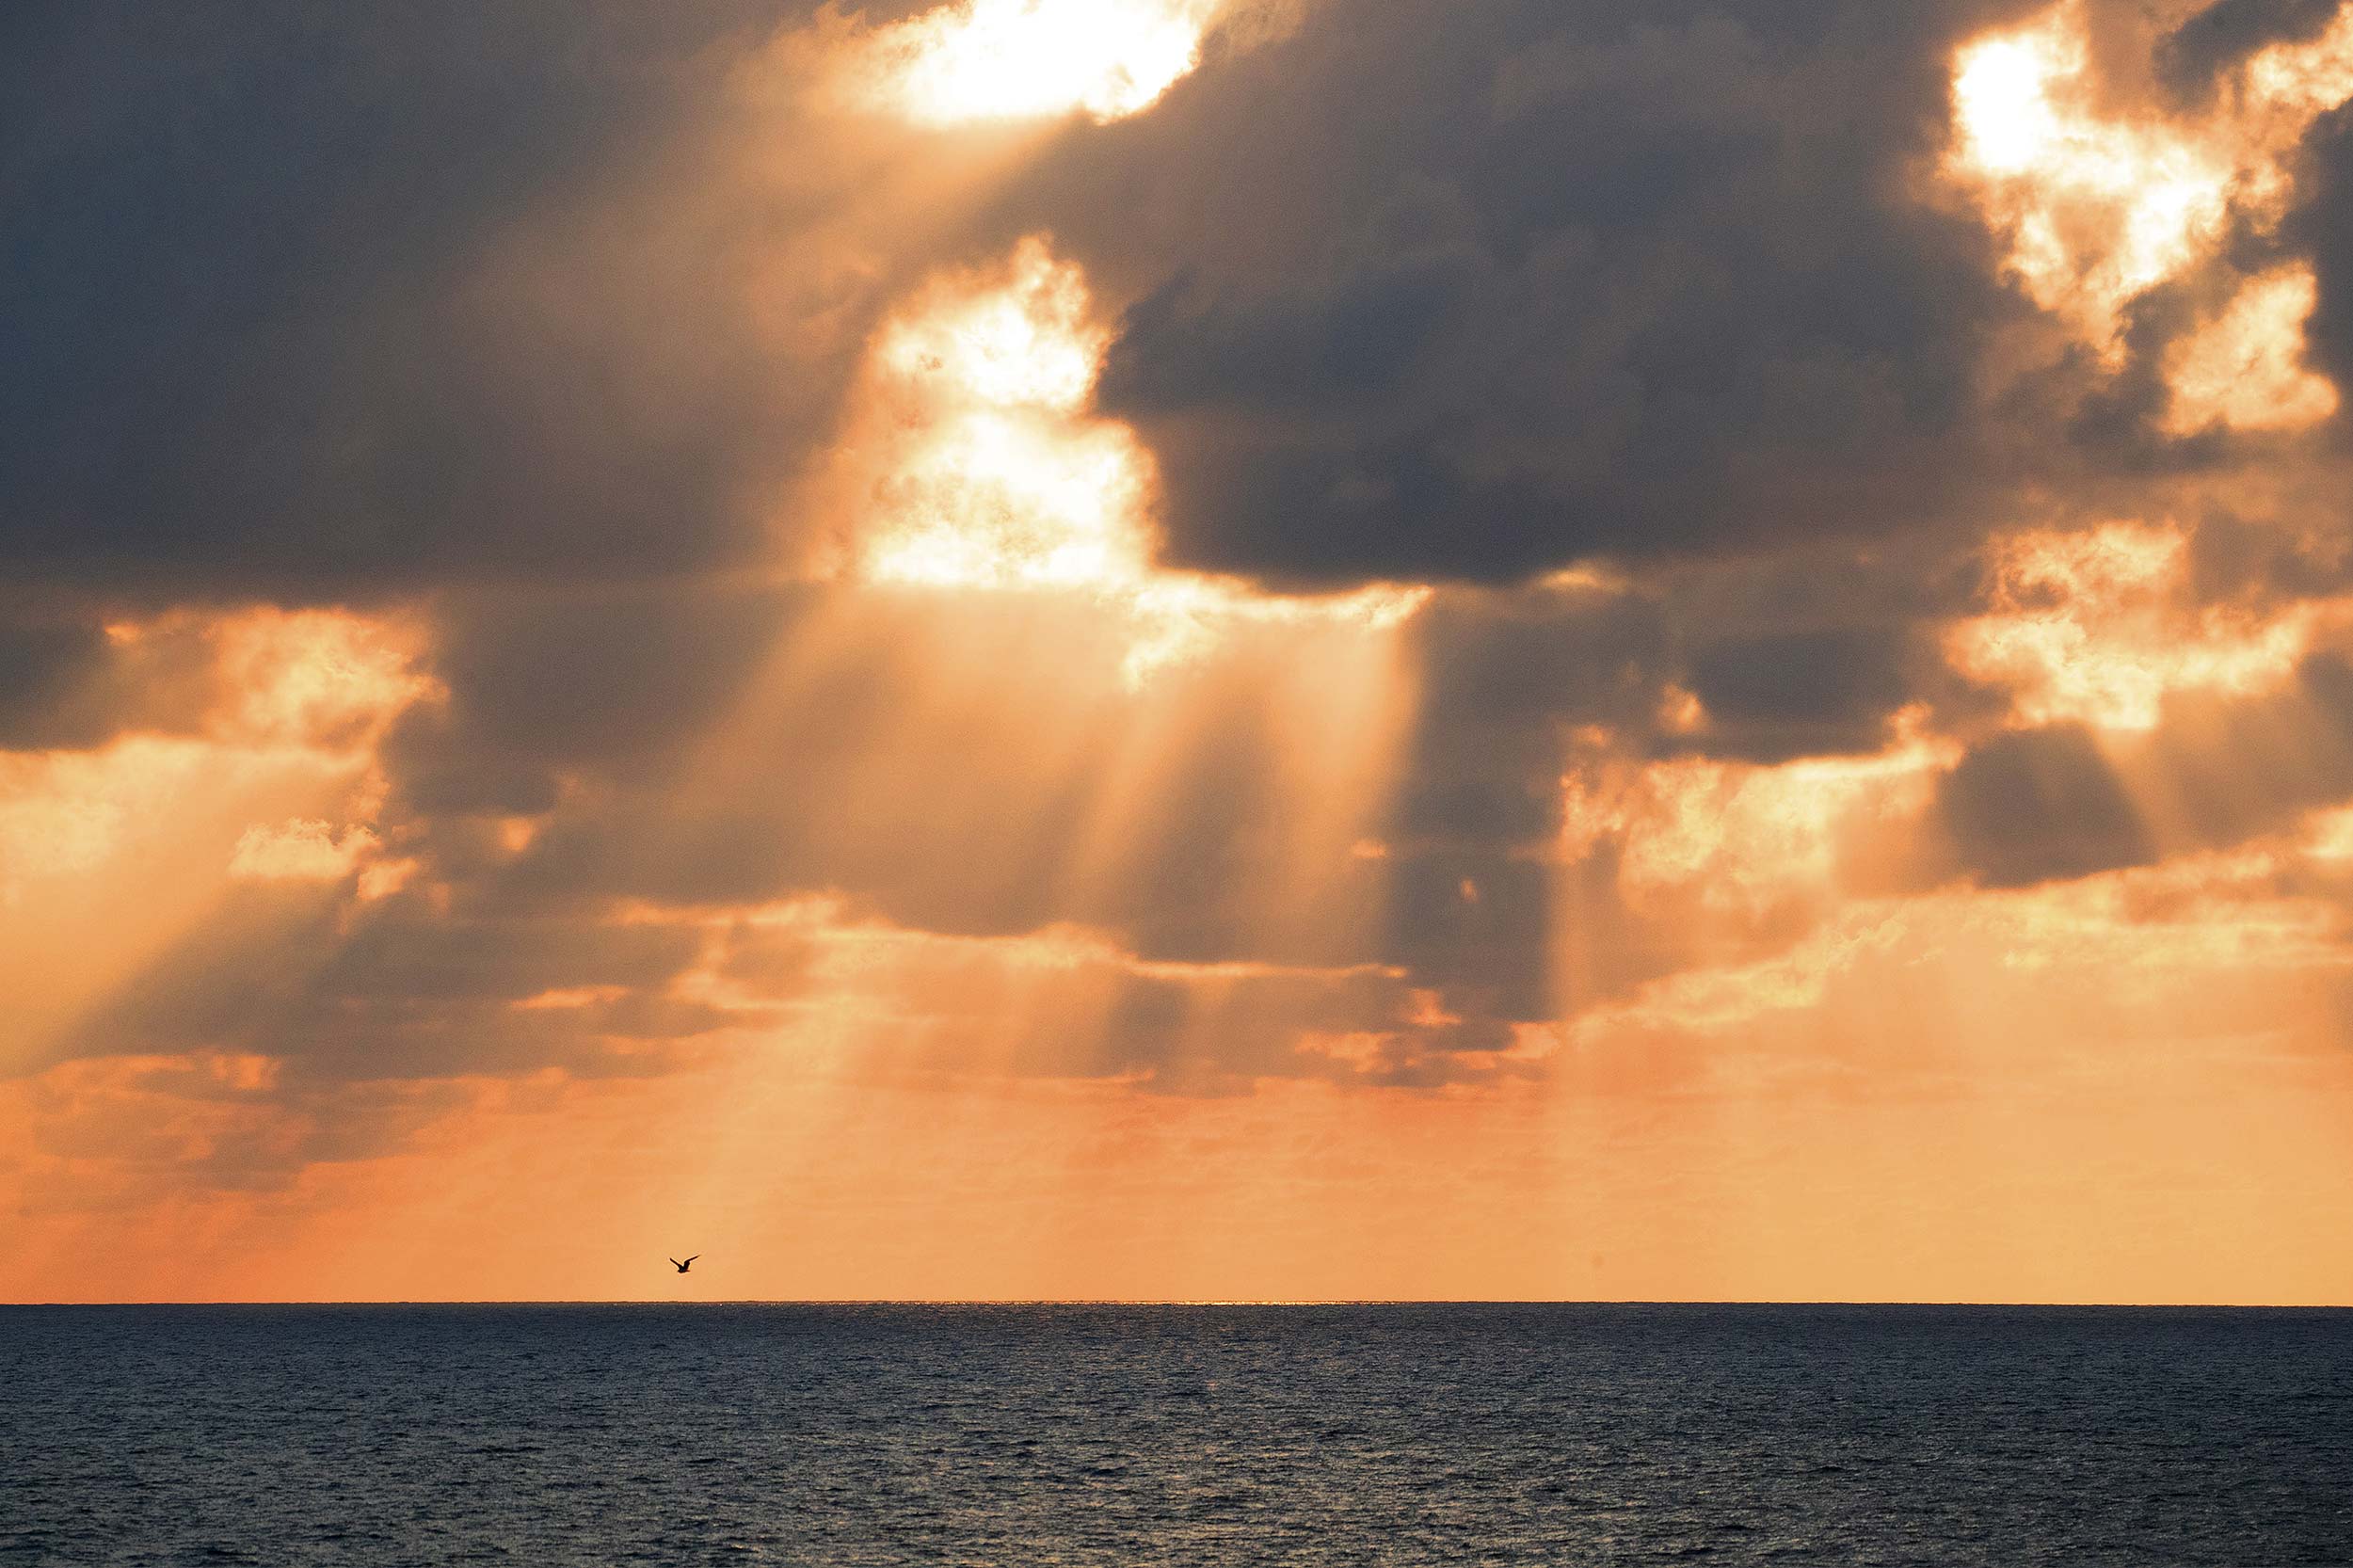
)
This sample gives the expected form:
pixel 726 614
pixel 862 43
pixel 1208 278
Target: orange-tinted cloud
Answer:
pixel 2100 625
pixel 2101 201
pixel 109 855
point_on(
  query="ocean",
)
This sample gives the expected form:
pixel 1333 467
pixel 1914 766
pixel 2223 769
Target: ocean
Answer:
pixel 1125 1436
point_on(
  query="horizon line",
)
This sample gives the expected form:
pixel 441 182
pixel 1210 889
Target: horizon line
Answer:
pixel 972 1301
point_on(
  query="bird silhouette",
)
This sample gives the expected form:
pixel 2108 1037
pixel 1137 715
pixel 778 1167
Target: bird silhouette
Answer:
pixel 681 1268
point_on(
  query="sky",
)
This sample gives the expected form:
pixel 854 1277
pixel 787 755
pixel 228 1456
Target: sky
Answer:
pixel 1191 650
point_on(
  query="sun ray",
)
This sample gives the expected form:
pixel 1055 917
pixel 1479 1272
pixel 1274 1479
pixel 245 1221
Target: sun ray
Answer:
pixel 109 855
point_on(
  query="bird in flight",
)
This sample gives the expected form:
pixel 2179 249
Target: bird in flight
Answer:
pixel 681 1268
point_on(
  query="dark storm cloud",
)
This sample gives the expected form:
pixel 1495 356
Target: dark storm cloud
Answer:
pixel 543 684
pixel 874 768
pixel 1516 667
pixel 912 786
pixel 1783 694
pixel 616 690
pixel 2262 564
pixel 2040 806
pixel 1476 926
pixel 430 955
pixel 2322 227
pixel 1504 677
pixel 247 1136
pixel 905 781
pixel 308 301
pixel 1436 290
pixel 1813 651
pixel 47 671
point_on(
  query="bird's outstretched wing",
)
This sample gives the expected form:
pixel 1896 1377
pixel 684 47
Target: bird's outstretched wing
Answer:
pixel 676 1264
pixel 689 1263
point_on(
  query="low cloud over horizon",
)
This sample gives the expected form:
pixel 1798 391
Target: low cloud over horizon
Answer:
pixel 1178 648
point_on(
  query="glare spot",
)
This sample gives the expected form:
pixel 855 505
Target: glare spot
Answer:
pixel 1027 59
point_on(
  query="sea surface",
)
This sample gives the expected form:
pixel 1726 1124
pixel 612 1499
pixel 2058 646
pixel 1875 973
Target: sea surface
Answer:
pixel 1197 1436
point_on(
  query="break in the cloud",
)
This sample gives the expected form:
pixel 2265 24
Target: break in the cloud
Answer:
pixel 1027 59
pixel 1170 647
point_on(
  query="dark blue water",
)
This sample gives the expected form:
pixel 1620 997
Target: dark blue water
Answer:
pixel 1166 1435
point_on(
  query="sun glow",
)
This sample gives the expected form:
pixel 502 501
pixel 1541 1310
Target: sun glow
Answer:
pixel 2097 207
pixel 1030 59
pixel 982 469
pixel 2097 211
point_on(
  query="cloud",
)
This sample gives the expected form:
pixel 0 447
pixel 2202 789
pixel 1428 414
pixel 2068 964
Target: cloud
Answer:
pixel 1475 313
pixel 324 306
pixel 46 673
pixel 1794 694
pixel 2317 226
pixel 2104 625
pixel 2039 805
pixel 303 850
pixel 618 679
